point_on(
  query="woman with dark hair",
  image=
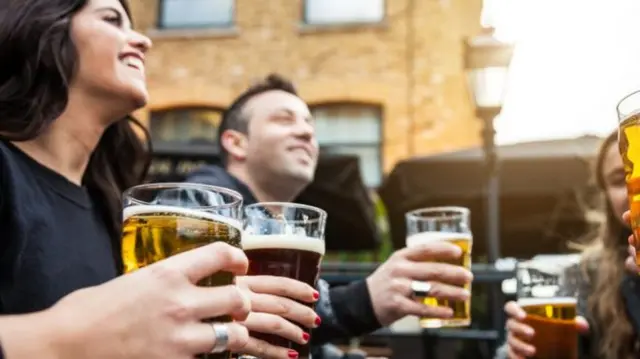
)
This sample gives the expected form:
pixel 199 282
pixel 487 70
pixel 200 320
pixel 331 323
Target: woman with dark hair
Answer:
pixel 607 297
pixel 71 72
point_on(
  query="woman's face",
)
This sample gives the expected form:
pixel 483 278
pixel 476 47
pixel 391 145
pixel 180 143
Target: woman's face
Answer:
pixel 110 55
pixel 614 180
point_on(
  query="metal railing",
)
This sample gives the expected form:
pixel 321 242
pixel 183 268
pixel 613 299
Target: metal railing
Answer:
pixel 344 273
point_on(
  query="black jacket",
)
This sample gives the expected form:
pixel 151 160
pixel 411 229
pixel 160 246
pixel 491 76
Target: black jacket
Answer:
pixel 346 311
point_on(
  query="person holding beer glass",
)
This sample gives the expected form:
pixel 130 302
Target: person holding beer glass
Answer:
pixel 164 219
pixel 606 293
pixel 285 240
pixel 269 153
pixel 450 225
pixel 71 72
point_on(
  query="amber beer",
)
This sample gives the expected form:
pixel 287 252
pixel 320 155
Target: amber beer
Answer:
pixel 461 308
pixel 629 143
pixel 553 319
pixel 285 255
pixel 154 232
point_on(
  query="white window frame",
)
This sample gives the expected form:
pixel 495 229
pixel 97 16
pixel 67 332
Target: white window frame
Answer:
pixel 336 12
pixel 167 7
pixel 341 146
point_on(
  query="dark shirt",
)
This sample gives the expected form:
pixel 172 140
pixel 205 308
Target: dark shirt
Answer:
pixel 346 311
pixel 53 241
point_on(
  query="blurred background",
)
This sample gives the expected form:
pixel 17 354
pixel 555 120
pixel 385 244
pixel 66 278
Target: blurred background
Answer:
pixel 496 105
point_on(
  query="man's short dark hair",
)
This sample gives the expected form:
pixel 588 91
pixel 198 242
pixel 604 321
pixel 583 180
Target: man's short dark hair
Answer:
pixel 234 117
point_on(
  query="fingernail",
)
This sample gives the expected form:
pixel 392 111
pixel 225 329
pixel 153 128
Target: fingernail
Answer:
pixel 293 354
pixel 305 337
pixel 316 295
pixel 318 321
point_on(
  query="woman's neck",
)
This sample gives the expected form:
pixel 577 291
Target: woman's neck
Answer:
pixel 67 144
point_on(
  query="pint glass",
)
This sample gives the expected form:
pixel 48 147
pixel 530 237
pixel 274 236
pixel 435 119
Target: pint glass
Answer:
pixel 450 224
pixel 284 239
pixel 164 219
pixel 629 144
pixel 550 311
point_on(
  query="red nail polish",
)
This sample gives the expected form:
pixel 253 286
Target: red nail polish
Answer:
pixel 293 354
pixel 316 295
pixel 318 321
pixel 306 336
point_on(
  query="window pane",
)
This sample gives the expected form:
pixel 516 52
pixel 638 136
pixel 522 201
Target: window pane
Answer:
pixel 352 124
pixel 196 13
pixel 185 125
pixel 343 11
pixel 370 166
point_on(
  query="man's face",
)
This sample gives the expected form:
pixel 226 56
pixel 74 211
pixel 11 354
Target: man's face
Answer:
pixel 281 138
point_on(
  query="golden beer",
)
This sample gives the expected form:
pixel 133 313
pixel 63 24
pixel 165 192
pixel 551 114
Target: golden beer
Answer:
pixel 554 322
pixel 154 232
pixel 629 143
pixel 461 309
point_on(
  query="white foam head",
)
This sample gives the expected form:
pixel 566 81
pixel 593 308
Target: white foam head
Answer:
pixel 282 241
pixel 189 212
pixel 524 302
pixel 428 237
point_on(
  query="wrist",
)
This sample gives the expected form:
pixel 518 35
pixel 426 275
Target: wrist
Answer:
pixel 36 335
pixel 375 304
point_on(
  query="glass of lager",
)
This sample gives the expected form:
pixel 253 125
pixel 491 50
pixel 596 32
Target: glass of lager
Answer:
pixel 164 219
pixel 629 144
pixel 449 224
pixel 550 311
pixel 284 239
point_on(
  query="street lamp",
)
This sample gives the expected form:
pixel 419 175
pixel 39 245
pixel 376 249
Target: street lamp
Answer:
pixel 487 63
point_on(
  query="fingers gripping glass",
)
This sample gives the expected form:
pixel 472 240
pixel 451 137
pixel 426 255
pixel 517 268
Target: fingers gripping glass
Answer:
pixel 164 219
pixel 450 224
pixel 287 240
pixel 551 310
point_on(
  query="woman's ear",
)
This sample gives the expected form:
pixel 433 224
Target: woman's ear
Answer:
pixel 235 144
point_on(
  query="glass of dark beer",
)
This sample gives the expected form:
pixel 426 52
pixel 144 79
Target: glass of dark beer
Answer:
pixel 551 310
pixel 163 219
pixel 284 239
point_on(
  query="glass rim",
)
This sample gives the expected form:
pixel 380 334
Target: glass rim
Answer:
pixel 457 212
pixel 168 185
pixel 623 99
pixel 322 214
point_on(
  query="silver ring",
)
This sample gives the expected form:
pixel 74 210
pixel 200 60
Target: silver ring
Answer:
pixel 420 289
pixel 221 333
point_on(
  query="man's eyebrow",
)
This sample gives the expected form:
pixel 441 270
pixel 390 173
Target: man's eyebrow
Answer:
pixel 290 112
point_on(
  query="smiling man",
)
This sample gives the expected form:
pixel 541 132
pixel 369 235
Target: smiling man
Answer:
pixel 269 152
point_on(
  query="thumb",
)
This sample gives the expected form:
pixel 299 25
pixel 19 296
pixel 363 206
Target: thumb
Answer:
pixel 582 325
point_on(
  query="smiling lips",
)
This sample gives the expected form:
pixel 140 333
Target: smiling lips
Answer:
pixel 133 61
pixel 307 151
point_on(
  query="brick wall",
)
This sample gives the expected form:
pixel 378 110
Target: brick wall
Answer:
pixel 411 65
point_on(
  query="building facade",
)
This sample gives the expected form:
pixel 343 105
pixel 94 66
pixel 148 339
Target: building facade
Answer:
pixel 385 78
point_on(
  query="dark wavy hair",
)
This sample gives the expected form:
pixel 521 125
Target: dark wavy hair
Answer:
pixel 37 62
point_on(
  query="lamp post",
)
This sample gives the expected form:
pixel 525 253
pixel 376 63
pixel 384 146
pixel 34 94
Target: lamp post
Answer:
pixel 487 62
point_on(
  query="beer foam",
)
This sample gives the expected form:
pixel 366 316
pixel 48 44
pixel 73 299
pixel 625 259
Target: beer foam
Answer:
pixel 282 241
pixel 428 237
pixel 525 302
pixel 189 212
